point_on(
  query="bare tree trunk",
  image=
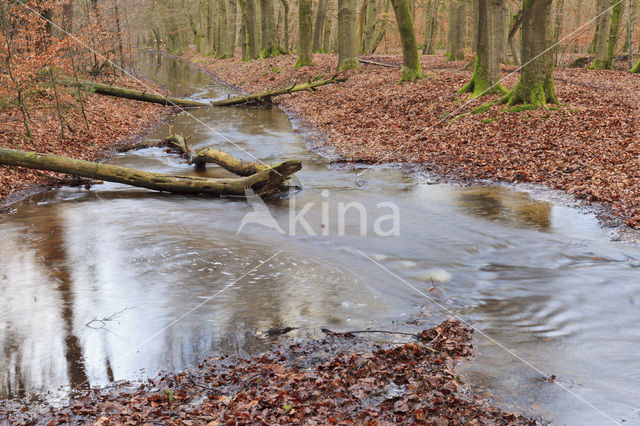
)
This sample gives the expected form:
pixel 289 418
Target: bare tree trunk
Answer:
pixel 249 15
pixel 347 40
pixel 210 49
pixel 326 46
pixel 431 24
pixel 222 28
pixel 557 29
pixel 411 70
pixel 318 29
pixel 535 85
pixel 490 46
pixel 285 13
pixel 602 35
pixel 383 28
pixel 371 19
pixel 629 40
pixel 55 92
pixel 119 33
pixel 233 27
pixel 455 37
pixel 516 22
pixel 362 18
pixel 305 52
pixel 270 46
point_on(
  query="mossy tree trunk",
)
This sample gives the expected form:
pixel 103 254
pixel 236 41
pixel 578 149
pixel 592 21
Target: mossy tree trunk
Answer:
pixel 383 27
pixel 347 40
pixel 636 68
pixel 249 17
pixel 455 35
pixel 305 52
pixel 318 29
pixel 270 46
pixel 490 49
pixel 411 70
pixel 614 31
pixel 535 85
pixel 603 23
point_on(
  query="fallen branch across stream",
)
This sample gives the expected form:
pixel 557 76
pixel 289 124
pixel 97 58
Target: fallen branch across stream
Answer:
pixel 121 92
pixel 268 94
pixel 265 182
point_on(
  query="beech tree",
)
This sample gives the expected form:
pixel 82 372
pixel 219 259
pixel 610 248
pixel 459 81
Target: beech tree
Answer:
pixel 456 32
pixel 347 40
pixel 535 85
pixel 318 29
pixel 603 28
pixel 270 46
pixel 305 52
pixel 411 70
pixel 490 43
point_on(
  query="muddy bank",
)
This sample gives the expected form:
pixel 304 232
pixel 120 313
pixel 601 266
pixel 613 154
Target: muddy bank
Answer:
pixel 344 378
pixel 113 122
pixel 587 147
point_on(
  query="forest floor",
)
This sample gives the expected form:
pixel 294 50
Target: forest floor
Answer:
pixel 112 122
pixel 342 379
pixel 589 146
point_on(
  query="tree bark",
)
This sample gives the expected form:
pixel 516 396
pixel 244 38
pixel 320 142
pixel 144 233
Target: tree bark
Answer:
pixel 305 52
pixel 431 24
pixel 326 46
pixel 614 32
pixel 347 40
pixel 285 13
pixel 636 68
pixel 318 29
pixel 535 85
pixel 270 46
pixel 516 22
pixel 228 162
pixel 383 27
pixel 222 24
pixel 455 37
pixel 411 70
pixel 602 36
pixel 232 12
pixel 264 182
pixel 490 49
pixel 249 7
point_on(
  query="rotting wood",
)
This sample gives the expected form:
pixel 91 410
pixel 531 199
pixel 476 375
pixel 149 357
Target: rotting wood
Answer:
pixel 263 183
pixel 228 162
pixel 379 64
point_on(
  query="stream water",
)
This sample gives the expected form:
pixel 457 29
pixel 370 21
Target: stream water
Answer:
pixel 172 279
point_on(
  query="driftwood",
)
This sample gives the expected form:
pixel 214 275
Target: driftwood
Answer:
pixel 228 162
pixel 121 92
pixel 178 144
pixel 265 182
pixel 268 94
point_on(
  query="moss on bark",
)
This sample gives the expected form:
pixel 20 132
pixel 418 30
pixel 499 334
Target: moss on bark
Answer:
pixel 411 70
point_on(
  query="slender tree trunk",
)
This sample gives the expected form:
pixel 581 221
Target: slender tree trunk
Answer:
pixel 490 49
pixel 347 40
pixel 305 52
pixel 326 46
pixel 371 20
pixel 210 45
pixel 535 85
pixel 614 32
pixel 383 28
pixel 285 13
pixel 629 40
pixel 455 37
pixel 557 29
pixel 431 24
pixel 233 22
pixel 362 19
pixel 411 70
pixel 602 37
pixel 244 42
pixel 222 25
pixel 251 23
pixel 318 29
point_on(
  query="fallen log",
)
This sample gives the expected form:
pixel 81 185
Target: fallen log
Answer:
pixel 268 94
pixel 265 182
pixel 228 162
pixel 121 92
pixel 178 144
pixel 379 64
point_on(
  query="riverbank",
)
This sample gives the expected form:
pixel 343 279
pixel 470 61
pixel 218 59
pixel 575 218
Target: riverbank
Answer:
pixel 112 122
pixel 341 379
pixel 588 147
